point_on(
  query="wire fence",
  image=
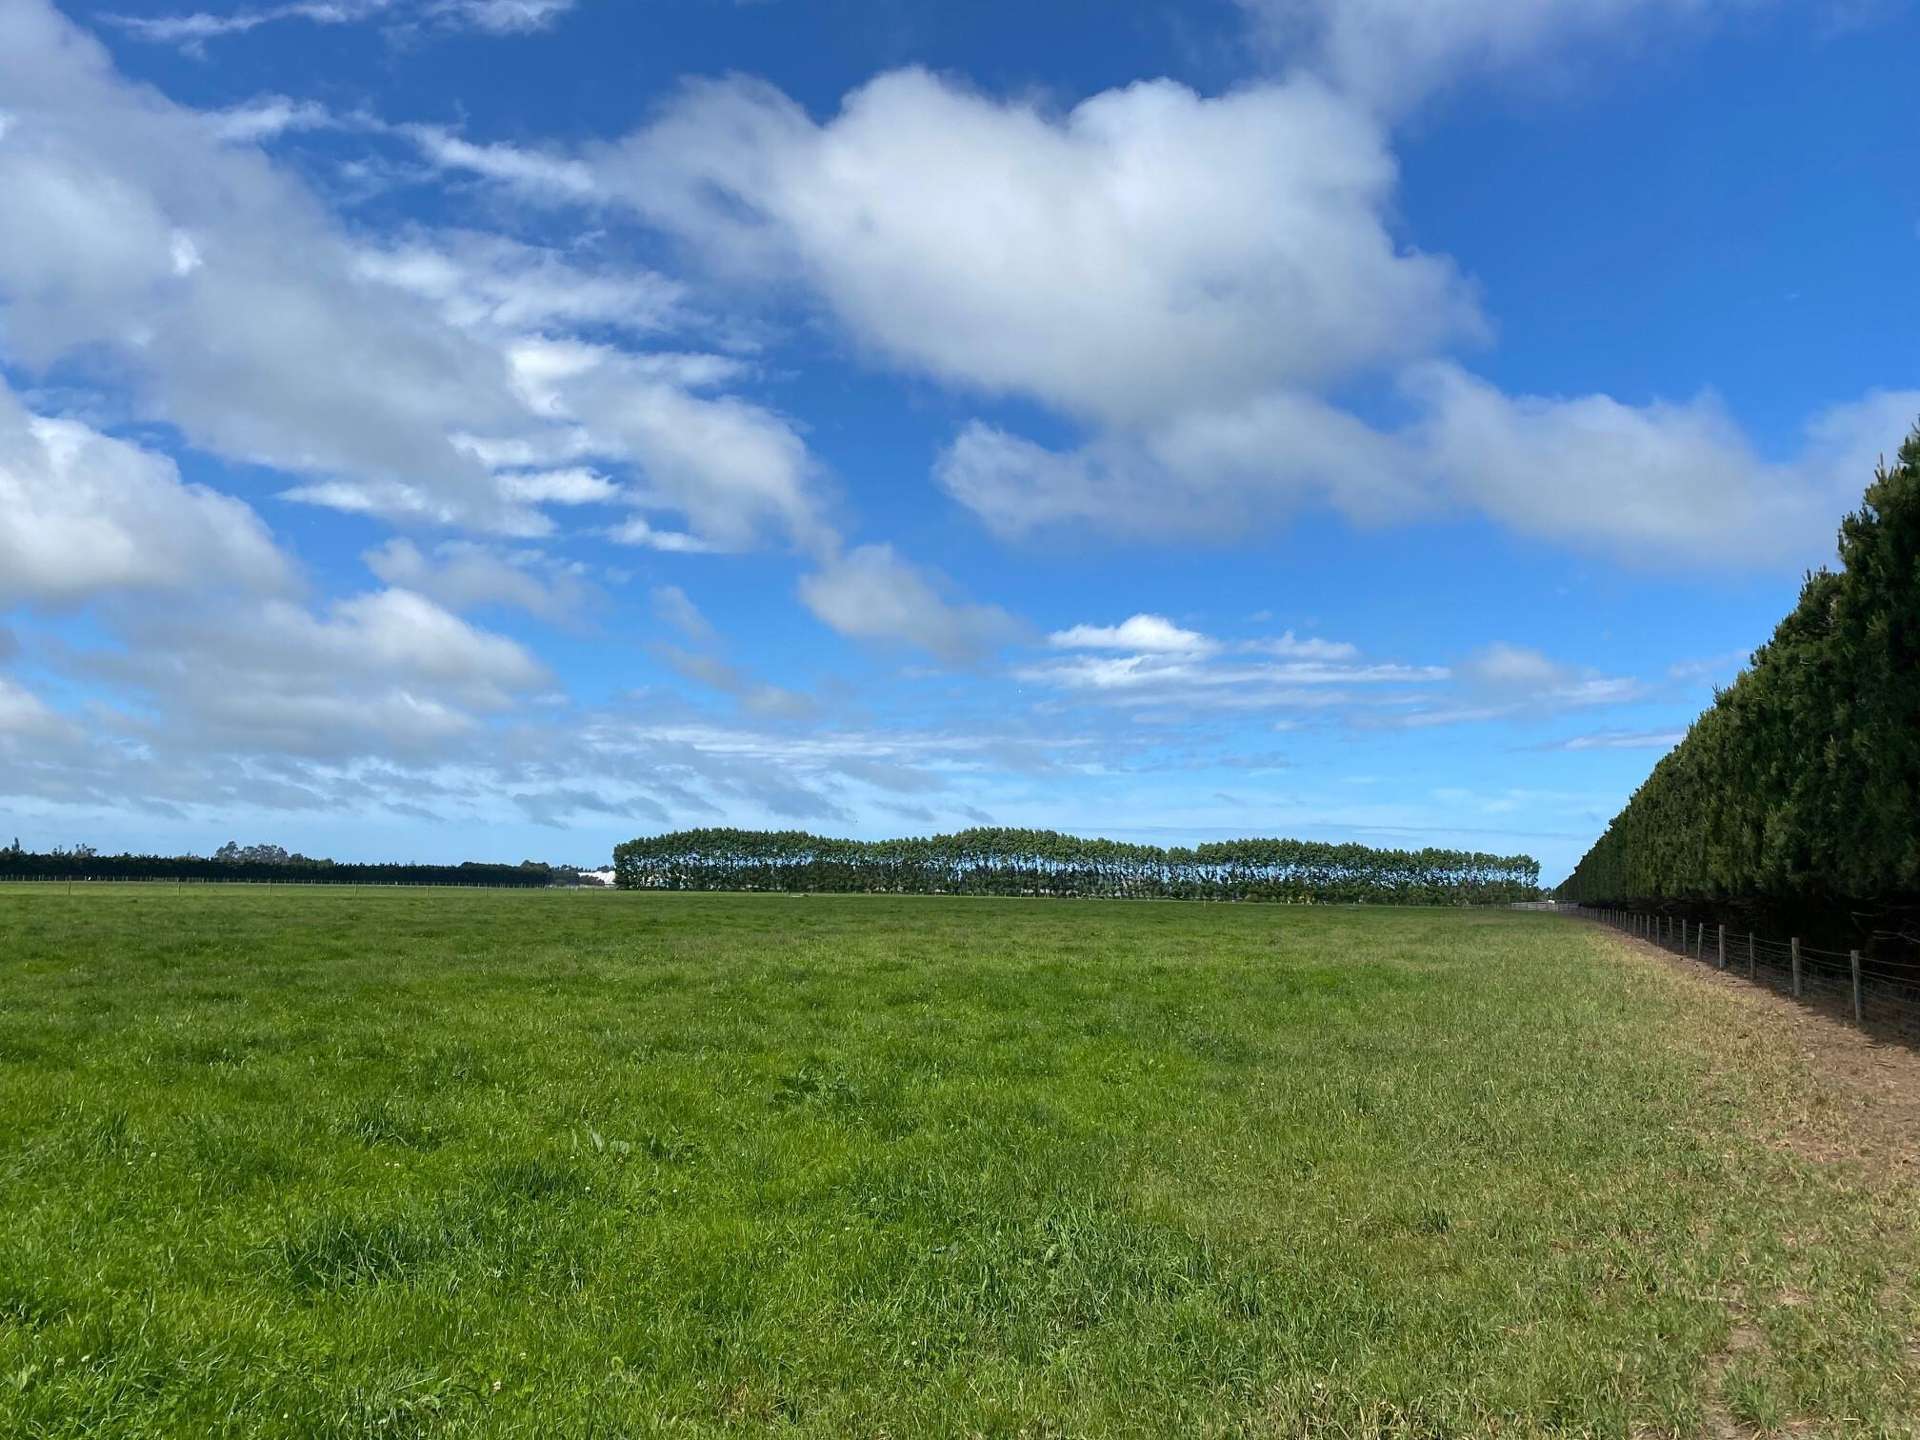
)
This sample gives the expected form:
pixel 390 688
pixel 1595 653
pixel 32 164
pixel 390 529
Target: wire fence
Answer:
pixel 1876 993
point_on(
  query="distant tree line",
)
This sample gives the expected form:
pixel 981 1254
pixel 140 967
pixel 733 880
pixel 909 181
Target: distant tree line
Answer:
pixel 1796 797
pixel 1044 862
pixel 270 862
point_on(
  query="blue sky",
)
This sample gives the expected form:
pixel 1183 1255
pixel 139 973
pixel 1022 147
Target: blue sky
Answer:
pixel 445 429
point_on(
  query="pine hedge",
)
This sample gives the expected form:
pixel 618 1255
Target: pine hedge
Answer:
pixel 1798 792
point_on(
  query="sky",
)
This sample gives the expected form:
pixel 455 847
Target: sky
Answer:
pixel 491 429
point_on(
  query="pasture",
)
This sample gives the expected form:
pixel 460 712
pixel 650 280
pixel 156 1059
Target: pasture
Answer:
pixel 324 1162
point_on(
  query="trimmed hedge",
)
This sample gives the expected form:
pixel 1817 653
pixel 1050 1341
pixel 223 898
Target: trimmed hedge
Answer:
pixel 1798 792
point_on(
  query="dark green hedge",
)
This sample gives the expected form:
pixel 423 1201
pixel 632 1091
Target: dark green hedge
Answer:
pixel 1799 790
pixel 1043 862
pixel 26 865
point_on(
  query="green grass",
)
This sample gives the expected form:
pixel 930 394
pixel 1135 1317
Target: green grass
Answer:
pixel 318 1162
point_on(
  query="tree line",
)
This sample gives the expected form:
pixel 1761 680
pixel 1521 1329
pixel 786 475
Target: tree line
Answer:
pixel 267 862
pixel 1044 862
pixel 1797 794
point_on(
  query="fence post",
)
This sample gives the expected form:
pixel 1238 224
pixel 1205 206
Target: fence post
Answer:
pixel 1749 954
pixel 1796 967
pixel 1700 941
pixel 1723 947
pixel 1857 1016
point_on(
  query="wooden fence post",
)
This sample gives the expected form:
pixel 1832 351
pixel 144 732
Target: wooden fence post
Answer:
pixel 1723 947
pixel 1749 954
pixel 1857 1016
pixel 1796 967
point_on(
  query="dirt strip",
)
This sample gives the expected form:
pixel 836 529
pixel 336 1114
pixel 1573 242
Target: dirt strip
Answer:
pixel 1861 1098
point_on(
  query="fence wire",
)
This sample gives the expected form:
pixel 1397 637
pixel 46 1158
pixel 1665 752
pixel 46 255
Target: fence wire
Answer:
pixel 1879 994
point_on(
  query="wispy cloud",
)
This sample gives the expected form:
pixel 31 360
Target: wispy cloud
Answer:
pixel 1619 740
pixel 191 30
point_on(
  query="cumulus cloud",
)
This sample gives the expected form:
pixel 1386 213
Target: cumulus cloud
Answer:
pixel 23 715
pixel 1652 482
pixel 1642 483
pixel 463 575
pixel 488 280
pixel 870 593
pixel 569 485
pixel 144 247
pixel 382 673
pixel 83 514
pixel 739 473
pixel 1205 473
pixel 1147 250
pixel 1192 278
pixel 107 182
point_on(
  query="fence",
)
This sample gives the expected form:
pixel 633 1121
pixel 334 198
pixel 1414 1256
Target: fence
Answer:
pixel 1876 993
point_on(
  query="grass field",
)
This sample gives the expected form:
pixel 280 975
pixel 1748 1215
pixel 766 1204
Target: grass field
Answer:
pixel 319 1162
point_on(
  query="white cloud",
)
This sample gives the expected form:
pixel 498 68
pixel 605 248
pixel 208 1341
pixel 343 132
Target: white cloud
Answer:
pixel 870 593
pixel 1504 681
pixel 82 514
pixel 1149 633
pixel 552 177
pixel 1307 648
pixel 1662 483
pixel 739 473
pixel 267 117
pixel 1205 473
pixel 462 575
pixel 1623 740
pixel 379 674
pixel 1393 53
pixel 676 607
pixel 1190 277
pixel 486 280
pixel 502 17
pixel 1501 666
pixel 570 485
pixel 1147 251
pixel 23 715
pixel 639 532
pixel 192 29
pixel 1649 484
pixel 1191 679
pixel 143 248
pixel 755 697
pixel 104 179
